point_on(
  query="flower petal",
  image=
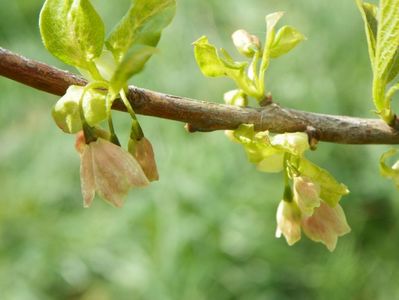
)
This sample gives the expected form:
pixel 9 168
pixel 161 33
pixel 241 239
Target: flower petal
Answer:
pixel 87 181
pixel 288 222
pixel 306 194
pixel 326 225
pixel 115 171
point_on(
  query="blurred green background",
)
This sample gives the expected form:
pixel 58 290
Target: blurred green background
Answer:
pixel 206 229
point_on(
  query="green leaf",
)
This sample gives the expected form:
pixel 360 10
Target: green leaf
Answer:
pixel 286 39
pixel 369 15
pixel 213 65
pixel 331 190
pixel 132 63
pixel 208 59
pixel 72 31
pixel 142 24
pixel 387 38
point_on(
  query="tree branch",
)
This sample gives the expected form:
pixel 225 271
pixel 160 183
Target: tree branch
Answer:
pixel 206 116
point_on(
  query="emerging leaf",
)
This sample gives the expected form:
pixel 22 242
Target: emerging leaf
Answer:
pixel 286 39
pixel 132 63
pixel 72 31
pixel 142 24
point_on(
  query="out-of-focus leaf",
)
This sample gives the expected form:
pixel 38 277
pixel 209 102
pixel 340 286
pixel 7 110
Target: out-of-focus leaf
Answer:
pixel 72 31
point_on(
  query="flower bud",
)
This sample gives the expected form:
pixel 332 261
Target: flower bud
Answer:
pixel 143 152
pixel 247 44
pixel 66 111
pixel 235 97
pixel 295 143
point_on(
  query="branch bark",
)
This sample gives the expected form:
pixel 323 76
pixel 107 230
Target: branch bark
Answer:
pixel 206 116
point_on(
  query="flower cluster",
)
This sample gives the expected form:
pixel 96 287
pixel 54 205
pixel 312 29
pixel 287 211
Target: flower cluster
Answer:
pixel 107 63
pixel 311 195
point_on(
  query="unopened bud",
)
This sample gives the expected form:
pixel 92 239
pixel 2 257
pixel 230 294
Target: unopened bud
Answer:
pixel 247 44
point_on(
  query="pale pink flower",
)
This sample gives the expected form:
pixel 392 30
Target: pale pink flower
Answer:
pixel 109 170
pixel 288 222
pixel 306 195
pixel 326 225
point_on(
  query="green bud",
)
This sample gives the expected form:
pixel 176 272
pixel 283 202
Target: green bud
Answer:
pixel 295 143
pixel 94 106
pixel 66 111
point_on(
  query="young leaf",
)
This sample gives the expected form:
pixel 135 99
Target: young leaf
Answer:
pixel 142 24
pixel 331 191
pixel 213 65
pixel 369 15
pixel 132 63
pixel 208 59
pixel 286 39
pixel 72 31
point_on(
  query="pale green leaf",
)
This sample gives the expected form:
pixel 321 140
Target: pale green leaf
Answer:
pixel 369 15
pixel 72 31
pixel 132 63
pixel 143 24
pixel 212 65
pixel 331 190
pixel 387 38
pixel 287 38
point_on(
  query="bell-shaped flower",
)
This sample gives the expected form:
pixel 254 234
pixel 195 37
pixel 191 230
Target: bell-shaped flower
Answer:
pixel 326 225
pixel 288 221
pixel 144 154
pixel 306 195
pixel 109 170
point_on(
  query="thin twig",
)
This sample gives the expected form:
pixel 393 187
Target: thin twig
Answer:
pixel 207 116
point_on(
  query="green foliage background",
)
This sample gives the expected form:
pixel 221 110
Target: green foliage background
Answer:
pixel 206 229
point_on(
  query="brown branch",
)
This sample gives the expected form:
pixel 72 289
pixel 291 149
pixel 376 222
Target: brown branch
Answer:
pixel 206 116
